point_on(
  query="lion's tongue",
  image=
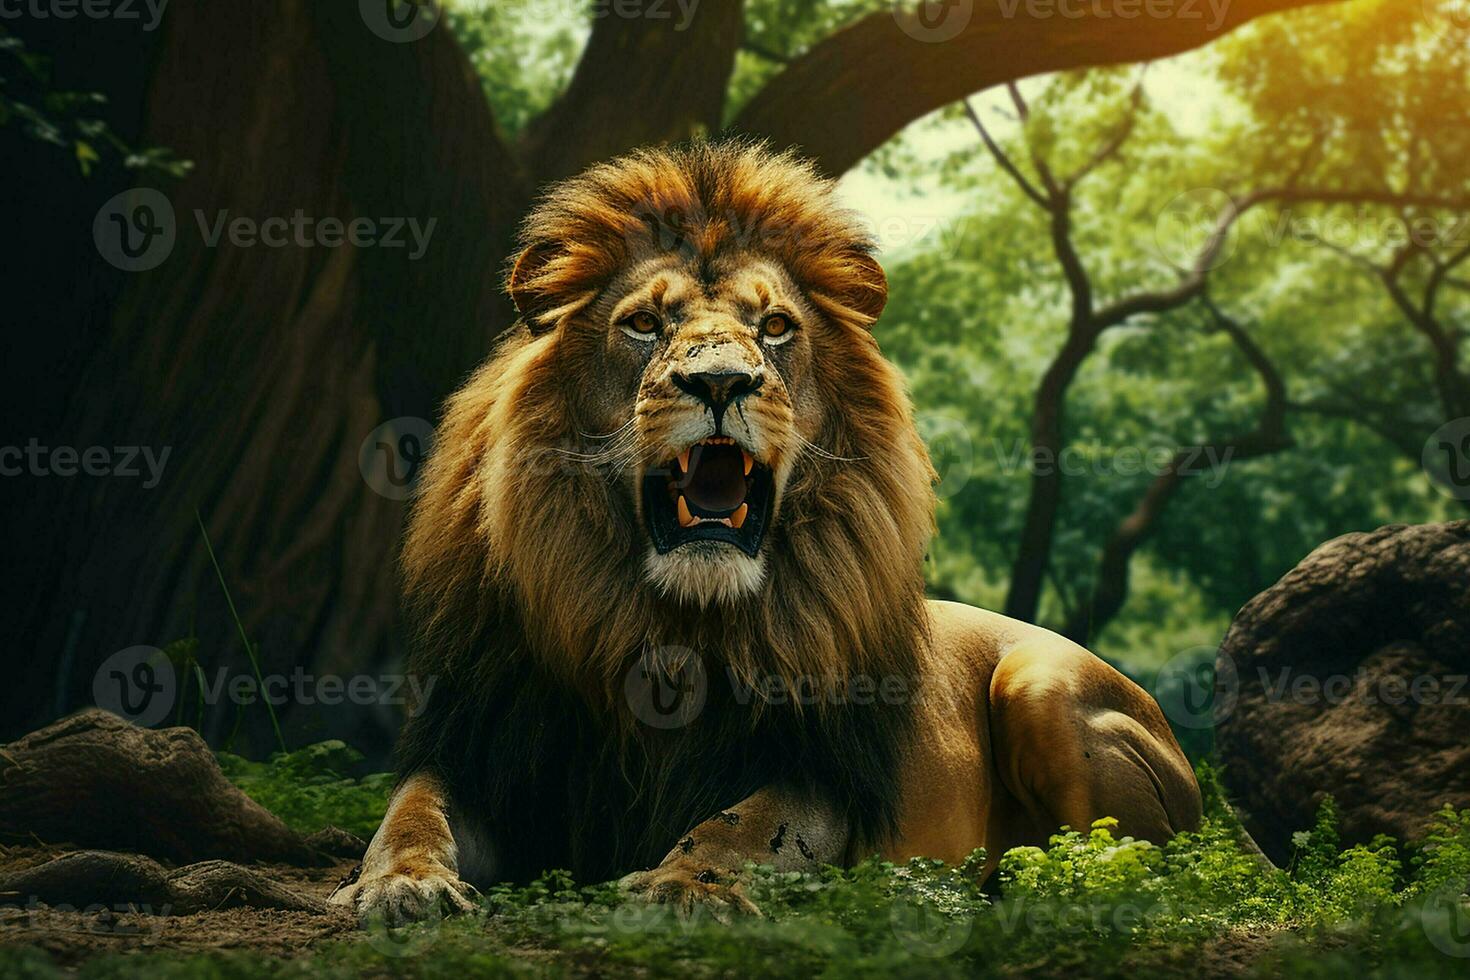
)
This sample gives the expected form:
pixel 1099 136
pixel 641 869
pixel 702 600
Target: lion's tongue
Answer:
pixel 717 483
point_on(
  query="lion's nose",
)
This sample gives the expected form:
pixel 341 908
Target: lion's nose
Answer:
pixel 717 389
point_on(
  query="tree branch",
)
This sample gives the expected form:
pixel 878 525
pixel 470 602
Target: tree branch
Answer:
pixel 851 92
pixel 1268 436
pixel 1086 324
pixel 1395 432
pixel 1114 145
pixel 1054 190
pixel 1361 261
pixel 1437 276
pixel 1193 281
pixel 1005 162
pixel 761 51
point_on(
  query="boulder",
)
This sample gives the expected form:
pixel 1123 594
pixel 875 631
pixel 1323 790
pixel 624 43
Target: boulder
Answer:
pixel 1351 677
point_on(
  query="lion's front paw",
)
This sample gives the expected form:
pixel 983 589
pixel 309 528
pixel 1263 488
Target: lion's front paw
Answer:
pixel 687 887
pixel 407 895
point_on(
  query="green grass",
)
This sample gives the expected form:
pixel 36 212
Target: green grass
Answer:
pixel 1088 904
pixel 313 787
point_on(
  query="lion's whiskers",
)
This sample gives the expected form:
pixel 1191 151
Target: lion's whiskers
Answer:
pixel 622 441
pixel 620 430
pixel 818 450
pixel 622 452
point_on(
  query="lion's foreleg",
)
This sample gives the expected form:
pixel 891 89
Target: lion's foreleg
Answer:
pixel 775 826
pixel 411 869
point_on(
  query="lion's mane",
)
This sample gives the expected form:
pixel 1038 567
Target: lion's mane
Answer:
pixel 523 569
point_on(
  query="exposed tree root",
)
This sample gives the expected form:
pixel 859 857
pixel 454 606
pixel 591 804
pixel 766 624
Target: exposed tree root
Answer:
pixel 105 878
pixel 95 781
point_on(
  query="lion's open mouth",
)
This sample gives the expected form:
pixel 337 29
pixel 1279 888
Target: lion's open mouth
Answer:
pixel 713 491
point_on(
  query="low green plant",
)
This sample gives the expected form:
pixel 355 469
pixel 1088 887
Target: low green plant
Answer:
pixel 1091 902
pixel 312 788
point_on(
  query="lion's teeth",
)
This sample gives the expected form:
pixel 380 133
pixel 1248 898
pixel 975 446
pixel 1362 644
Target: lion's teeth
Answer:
pixel 684 461
pixel 738 518
pixel 686 519
pixel 749 461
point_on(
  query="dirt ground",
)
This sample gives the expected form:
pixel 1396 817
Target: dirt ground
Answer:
pixel 72 935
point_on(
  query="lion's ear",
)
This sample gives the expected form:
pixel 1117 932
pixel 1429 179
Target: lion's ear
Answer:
pixel 529 298
pixel 866 289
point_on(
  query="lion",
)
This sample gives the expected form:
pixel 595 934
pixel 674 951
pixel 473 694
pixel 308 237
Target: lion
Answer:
pixel 666 562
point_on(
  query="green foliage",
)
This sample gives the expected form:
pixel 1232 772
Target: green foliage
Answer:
pixel 68 120
pixel 979 310
pixel 1089 901
pixel 312 788
pixel 1442 859
pixel 523 53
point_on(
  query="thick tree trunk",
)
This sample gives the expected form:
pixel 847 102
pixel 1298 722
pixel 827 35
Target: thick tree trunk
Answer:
pixel 261 370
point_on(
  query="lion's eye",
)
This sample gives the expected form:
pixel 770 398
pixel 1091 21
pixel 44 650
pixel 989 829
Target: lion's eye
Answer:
pixel 641 324
pixel 776 328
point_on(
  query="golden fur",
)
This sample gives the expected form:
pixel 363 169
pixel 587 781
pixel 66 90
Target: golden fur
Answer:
pixel 500 507
pixel 540 583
